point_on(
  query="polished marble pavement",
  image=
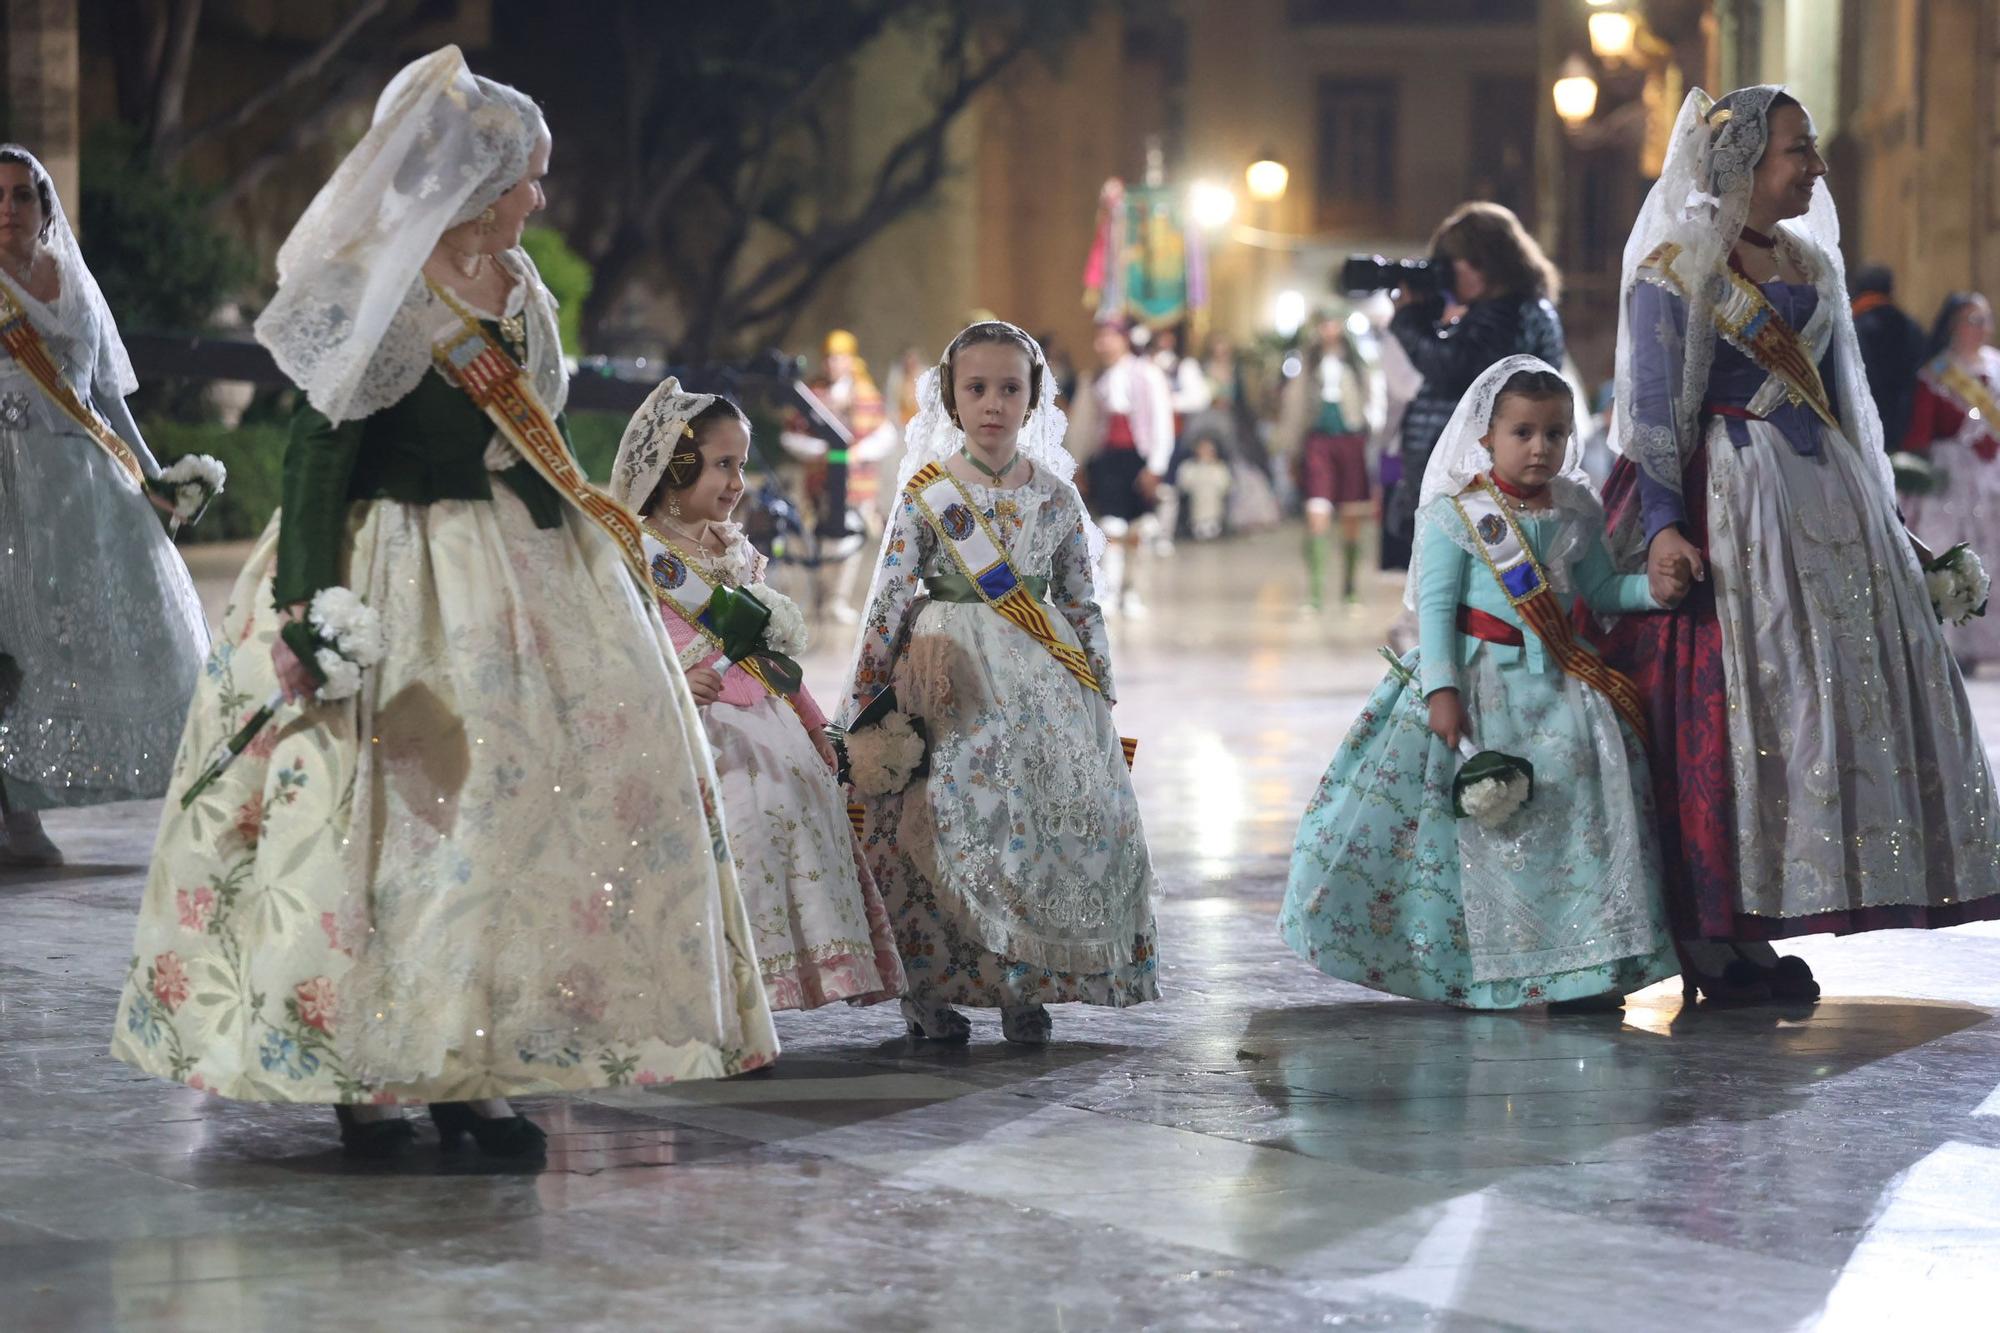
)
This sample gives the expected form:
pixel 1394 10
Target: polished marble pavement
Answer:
pixel 1265 1149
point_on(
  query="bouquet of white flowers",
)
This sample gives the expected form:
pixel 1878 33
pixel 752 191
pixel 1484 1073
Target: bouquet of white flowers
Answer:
pixel 1957 584
pixel 1490 785
pixel 340 637
pixel 884 749
pixel 188 484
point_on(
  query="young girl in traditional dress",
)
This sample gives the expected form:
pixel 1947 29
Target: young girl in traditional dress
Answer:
pixel 1955 420
pixel 817 920
pixel 495 868
pixel 1016 870
pixel 1559 902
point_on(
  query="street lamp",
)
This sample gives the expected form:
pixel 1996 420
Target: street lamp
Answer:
pixel 1211 205
pixel 1575 93
pixel 1613 34
pixel 1266 179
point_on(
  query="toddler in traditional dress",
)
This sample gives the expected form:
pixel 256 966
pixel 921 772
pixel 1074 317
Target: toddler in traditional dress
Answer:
pixel 1484 836
pixel 1015 864
pixel 818 922
pixel 1205 480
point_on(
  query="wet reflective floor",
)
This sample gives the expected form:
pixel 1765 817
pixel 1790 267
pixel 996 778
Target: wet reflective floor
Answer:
pixel 1265 1148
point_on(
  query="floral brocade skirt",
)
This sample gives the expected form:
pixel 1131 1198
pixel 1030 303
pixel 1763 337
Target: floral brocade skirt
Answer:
pixel 499 870
pixel 1389 889
pixel 816 917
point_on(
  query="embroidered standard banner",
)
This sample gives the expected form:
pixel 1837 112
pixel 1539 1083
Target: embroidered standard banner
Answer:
pixel 980 555
pixel 23 341
pixel 1499 541
pixel 680 588
pixel 470 359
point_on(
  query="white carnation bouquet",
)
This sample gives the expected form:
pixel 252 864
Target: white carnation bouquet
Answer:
pixel 883 750
pixel 339 638
pixel 189 484
pixel 1957 584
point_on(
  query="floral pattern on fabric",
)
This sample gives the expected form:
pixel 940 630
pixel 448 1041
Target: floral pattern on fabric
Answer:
pixel 518 885
pixel 1390 890
pixel 1026 835
pixel 818 921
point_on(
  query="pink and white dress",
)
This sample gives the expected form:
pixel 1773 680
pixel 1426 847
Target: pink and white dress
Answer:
pixel 816 917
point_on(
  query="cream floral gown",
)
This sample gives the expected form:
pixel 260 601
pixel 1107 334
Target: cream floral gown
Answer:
pixel 1016 872
pixel 500 869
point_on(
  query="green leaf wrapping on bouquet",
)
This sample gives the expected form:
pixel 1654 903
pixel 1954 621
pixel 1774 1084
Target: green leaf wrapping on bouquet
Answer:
pixel 305 645
pixel 737 619
pixel 1917 475
pixel 784 674
pixel 1488 764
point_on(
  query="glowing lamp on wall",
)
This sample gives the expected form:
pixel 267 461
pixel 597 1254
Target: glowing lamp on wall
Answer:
pixel 1266 179
pixel 1575 93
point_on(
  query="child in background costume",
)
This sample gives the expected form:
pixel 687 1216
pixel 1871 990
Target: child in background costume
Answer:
pixel 1016 871
pixel 1955 421
pixel 817 921
pixel 1561 900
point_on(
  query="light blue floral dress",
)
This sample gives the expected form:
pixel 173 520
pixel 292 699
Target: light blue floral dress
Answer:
pixel 1560 902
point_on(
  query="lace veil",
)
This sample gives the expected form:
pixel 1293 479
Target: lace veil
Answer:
pixel 1459 457
pixel 445 143
pixel 1700 204
pixel 82 302
pixel 932 437
pixel 650 440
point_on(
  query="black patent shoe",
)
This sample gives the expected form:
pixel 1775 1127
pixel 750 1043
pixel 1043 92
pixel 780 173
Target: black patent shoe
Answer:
pixel 373 1140
pixel 1611 1002
pixel 1790 979
pixel 508 1136
pixel 1740 982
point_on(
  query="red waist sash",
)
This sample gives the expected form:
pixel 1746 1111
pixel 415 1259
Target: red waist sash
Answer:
pixel 1488 627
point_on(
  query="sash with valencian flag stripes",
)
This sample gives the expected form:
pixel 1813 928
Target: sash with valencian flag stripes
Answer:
pixel 1497 537
pixel 497 386
pixel 983 559
pixel 23 341
pixel 679 587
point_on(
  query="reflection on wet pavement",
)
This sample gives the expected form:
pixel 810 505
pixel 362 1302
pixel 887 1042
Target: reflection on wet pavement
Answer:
pixel 1266 1148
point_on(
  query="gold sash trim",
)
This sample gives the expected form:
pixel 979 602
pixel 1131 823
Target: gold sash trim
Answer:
pixel 497 386
pixel 23 341
pixel 982 557
pixel 1749 323
pixel 1970 390
pixel 664 579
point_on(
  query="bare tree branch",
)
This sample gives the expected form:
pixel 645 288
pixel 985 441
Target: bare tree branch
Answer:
pixel 170 85
pixel 907 175
pixel 172 149
pixel 302 133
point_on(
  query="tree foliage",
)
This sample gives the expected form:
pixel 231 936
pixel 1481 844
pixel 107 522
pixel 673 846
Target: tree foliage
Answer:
pixel 709 138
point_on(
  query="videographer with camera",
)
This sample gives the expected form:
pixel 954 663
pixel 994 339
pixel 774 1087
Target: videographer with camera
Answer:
pixel 1486 293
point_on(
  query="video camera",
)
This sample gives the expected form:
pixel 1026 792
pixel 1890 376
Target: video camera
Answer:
pixel 1373 273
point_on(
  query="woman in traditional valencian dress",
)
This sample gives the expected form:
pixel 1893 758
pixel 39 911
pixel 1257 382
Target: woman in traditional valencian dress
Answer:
pixel 1016 869
pixel 1815 760
pixel 1556 901
pixel 1955 420
pixel 101 635
pixel 497 869
pixel 817 919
